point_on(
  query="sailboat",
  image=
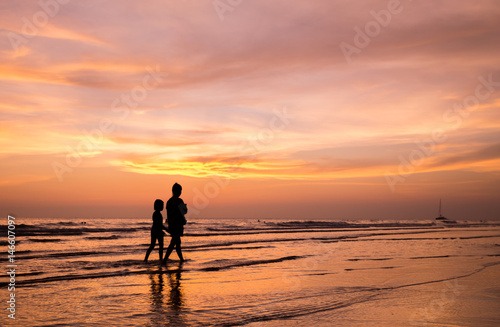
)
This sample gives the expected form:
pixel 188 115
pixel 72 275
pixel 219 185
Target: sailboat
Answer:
pixel 442 218
pixel 440 215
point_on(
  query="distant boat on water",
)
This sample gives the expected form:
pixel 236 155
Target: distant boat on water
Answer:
pixel 442 218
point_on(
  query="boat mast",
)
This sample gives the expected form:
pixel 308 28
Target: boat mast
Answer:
pixel 440 208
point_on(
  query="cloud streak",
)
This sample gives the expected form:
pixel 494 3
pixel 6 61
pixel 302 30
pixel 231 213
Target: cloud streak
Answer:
pixel 221 81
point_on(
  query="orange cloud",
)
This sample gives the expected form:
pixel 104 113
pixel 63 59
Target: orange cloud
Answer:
pixel 349 124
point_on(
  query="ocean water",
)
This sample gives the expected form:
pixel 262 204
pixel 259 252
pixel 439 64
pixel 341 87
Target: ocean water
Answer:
pixel 244 272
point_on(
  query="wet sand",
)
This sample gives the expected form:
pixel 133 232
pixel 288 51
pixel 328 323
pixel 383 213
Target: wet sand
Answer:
pixel 473 300
pixel 246 273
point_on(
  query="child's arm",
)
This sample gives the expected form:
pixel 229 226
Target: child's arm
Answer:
pixel 165 228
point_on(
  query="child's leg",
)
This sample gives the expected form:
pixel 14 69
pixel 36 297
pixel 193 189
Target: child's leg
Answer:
pixel 178 247
pixel 151 247
pixel 160 243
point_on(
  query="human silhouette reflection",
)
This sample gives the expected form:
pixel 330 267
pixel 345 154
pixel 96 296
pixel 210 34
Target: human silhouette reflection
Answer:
pixel 174 278
pixel 156 277
pixel 167 311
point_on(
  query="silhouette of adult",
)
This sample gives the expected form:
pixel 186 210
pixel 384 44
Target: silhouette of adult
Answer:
pixel 176 209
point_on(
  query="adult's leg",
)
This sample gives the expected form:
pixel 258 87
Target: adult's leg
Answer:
pixel 169 249
pixel 151 246
pixel 178 248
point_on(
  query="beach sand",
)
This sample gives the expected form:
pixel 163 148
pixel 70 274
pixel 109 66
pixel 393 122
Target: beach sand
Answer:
pixel 468 301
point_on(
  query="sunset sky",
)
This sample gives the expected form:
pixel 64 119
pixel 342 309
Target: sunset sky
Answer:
pixel 306 109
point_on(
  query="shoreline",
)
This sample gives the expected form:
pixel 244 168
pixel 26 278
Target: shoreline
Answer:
pixel 469 300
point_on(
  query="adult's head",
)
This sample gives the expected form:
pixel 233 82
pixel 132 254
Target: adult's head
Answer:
pixel 176 189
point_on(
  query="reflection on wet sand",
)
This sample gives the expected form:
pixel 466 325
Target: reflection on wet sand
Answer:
pixel 169 312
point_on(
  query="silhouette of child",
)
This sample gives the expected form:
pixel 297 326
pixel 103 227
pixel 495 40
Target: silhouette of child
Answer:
pixel 176 209
pixel 156 230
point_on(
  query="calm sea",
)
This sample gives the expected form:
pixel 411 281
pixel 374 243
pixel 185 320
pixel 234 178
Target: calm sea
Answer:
pixel 238 271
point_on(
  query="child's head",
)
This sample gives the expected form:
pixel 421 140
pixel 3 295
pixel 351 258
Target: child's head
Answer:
pixel 176 189
pixel 158 205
